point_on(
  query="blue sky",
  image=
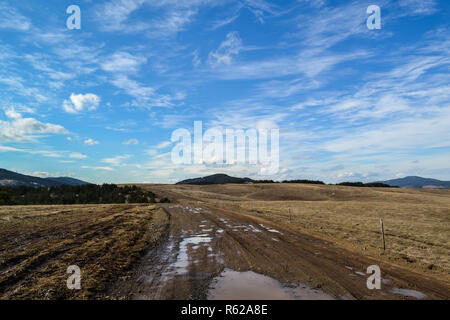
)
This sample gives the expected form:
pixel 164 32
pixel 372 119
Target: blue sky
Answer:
pixel 101 103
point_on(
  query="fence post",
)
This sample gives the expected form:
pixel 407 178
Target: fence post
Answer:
pixel 382 233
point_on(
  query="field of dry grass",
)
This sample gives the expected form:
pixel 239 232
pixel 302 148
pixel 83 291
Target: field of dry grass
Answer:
pixel 38 243
pixel 417 222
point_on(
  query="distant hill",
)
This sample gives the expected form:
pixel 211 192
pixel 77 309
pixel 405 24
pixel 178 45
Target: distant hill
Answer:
pixel 417 182
pixel 68 181
pixel 13 179
pixel 216 179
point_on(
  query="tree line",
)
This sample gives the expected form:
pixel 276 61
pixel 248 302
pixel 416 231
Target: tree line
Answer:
pixel 85 194
pixel 348 184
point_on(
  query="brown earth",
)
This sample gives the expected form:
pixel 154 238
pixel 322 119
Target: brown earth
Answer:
pixel 234 241
pixel 216 228
pixel 39 243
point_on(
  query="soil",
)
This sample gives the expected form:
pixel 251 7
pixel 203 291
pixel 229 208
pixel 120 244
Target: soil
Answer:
pixel 206 245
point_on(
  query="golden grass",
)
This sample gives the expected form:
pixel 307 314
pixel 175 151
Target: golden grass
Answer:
pixel 414 232
pixel 38 243
pixel 417 221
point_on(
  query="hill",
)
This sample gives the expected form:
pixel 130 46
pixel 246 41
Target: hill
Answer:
pixel 219 178
pixel 68 181
pixel 418 182
pixel 14 179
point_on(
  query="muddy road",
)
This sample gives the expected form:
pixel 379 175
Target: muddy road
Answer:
pixel 212 253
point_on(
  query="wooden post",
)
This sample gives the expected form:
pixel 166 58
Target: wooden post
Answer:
pixel 290 217
pixel 382 233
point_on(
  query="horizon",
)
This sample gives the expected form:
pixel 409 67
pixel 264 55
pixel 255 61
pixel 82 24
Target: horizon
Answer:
pixel 101 102
pixel 220 173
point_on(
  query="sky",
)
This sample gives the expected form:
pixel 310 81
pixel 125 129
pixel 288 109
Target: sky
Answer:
pixel 101 102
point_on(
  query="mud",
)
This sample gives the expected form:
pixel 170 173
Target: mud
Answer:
pixel 249 285
pixel 212 253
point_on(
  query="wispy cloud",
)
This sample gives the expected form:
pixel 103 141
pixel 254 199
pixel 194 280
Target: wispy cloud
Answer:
pixel 115 13
pixel 98 168
pixel 230 47
pixel 10 18
pixel 118 160
pixel 123 62
pixel 144 96
pixel 91 142
pixel 131 142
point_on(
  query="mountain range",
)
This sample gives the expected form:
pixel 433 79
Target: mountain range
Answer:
pixel 14 179
pixel 418 182
pixel 407 182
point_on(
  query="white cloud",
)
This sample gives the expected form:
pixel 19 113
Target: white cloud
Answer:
pixel 12 114
pixel 113 14
pixel 172 16
pixel 230 47
pixel 144 96
pixel 10 18
pixel 173 22
pixel 25 129
pixel 417 7
pixel 123 62
pixel 91 142
pixel 154 151
pixel 98 168
pixel 163 145
pixel 41 174
pixel 151 152
pixel 18 85
pixel 223 22
pixel 196 59
pixel 45 153
pixel 76 155
pixel 131 141
pixel 80 102
pixel 116 161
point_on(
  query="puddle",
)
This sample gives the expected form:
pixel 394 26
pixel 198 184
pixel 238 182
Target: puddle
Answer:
pixel 254 229
pixel 182 259
pixel 269 229
pixel 249 285
pixel 409 293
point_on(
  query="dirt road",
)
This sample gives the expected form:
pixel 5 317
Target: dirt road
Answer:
pixel 214 253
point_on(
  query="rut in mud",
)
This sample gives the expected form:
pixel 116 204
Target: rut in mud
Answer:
pixel 212 253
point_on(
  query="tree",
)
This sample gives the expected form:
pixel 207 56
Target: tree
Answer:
pixel 5 198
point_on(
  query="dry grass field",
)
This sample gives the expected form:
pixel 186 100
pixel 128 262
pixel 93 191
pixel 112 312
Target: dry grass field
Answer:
pixel 318 233
pixel 417 221
pixel 38 243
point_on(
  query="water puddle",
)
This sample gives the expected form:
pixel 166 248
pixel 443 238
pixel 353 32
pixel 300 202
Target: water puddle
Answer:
pixel 249 285
pixel 269 229
pixel 253 228
pixel 183 259
pixel 409 293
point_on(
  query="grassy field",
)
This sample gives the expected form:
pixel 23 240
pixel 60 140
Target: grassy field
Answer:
pixel 38 243
pixel 417 221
